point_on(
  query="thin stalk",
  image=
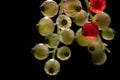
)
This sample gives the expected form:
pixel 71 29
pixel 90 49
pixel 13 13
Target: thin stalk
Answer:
pixel 58 30
pixel 105 47
pixel 88 10
pixel 61 7
pixel 54 51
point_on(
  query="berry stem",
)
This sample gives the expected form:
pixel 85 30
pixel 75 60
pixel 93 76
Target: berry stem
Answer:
pixel 88 10
pixel 58 30
pixel 54 51
pixel 51 51
pixel 60 13
pixel 61 7
pixel 105 48
pixel 104 45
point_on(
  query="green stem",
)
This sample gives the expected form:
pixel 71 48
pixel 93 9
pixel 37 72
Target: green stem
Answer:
pixel 60 13
pixel 54 51
pixel 88 10
pixel 50 52
pixel 58 30
pixel 61 7
pixel 105 48
pixel 104 45
pixel 87 4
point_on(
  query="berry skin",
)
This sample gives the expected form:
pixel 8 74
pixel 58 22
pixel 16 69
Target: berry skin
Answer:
pixel 90 30
pixel 45 26
pixel 102 20
pixel 40 51
pixel 52 67
pixel 97 6
pixel 64 53
pixel 49 8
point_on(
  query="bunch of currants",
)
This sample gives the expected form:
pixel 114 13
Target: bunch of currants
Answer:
pixel 93 24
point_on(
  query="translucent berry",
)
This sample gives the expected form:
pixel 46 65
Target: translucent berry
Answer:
pixel 67 36
pixel 40 51
pixel 102 20
pixel 49 8
pixel 108 34
pixel 90 30
pixel 63 21
pixel 81 40
pixel 99 59
pixel 97 6
pixel 52 40
pixel 64 53
pixel 95 46
pixel 71 7
pixel 80 18
pixel 52 67
pixel 45 26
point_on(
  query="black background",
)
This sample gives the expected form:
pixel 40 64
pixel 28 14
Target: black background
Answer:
pixel 22 65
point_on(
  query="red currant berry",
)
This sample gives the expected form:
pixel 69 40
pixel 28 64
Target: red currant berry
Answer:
pixel 90 30
pixel 97 6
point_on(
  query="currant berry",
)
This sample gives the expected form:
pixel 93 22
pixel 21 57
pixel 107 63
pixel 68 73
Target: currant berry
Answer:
pixel 90 30
pixel 71 7
pixel 45 26
pixel 64 53
pixel 40 51
pixel 52 67
pixel 97 6
pixel 49 8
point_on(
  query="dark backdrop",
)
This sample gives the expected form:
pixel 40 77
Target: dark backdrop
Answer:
pixel 78 67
